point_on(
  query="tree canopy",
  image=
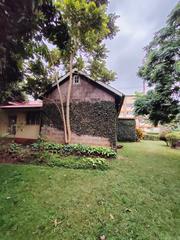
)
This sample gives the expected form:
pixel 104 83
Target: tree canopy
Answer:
pixel 27 27
pixel 23 27
pixel 162 72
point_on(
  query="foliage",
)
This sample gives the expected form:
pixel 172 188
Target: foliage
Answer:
pixel 139 134
pixel 96 118
pixel 162 136
pixel 74 149
pixel 99 71
pixel 173 138
pixel 126 130
pixel 151 137
pixel 160 71
pixel 39 202
pixel 175 124
pixel 78 163
pixel 15 30
pixel 25 25
pixel 15 148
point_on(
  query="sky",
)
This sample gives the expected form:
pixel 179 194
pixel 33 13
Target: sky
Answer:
pixel 138 22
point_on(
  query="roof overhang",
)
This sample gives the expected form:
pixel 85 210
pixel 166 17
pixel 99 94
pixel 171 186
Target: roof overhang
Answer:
pixel 23 105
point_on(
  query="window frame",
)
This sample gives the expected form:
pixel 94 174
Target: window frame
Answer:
pixel 32 118
pixel 76 79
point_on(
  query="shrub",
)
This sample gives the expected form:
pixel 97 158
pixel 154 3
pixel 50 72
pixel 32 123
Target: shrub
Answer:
pixel 78 162
pixel 151 137
pixel 139 134
pixel 173 138
pixel 76 149
pixel 162 136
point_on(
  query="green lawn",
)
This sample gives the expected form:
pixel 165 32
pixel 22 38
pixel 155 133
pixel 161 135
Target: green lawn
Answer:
pixel 138 198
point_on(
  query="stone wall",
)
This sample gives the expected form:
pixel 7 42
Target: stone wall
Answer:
pixel 126 130
pixel 57 136
pixel 90 122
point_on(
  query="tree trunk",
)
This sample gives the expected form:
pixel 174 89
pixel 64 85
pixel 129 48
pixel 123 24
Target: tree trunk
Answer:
pixel 63 114
pixel 68 99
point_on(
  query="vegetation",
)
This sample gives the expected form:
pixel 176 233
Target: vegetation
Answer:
pixel 173 138
pixel 24 24
pixel 139 134
pixel 76 149
pixel 27 65
pixel 151 136
pixel 137 198
pixel 162 136
pixel 78 163
pixel 161 69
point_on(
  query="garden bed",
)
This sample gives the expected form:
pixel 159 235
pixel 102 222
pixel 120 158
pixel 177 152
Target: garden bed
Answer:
pixel 55 155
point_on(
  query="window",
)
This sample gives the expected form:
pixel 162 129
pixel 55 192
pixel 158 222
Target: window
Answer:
pixel 76 79
pixel 32 118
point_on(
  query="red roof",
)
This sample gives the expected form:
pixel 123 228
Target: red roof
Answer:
pixel 31 104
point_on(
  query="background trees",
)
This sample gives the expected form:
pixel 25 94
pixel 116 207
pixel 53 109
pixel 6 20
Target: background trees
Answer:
pixel 161 71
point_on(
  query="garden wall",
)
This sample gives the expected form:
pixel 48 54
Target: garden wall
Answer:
pixel 126 130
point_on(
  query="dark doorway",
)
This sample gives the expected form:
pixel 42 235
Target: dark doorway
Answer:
pixel 12 124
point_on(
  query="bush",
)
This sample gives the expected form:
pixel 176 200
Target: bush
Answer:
pixel 151 137
pixel 139 134
pixel 74 149
pixel 162 136
pixel 78 163
pixel 173 138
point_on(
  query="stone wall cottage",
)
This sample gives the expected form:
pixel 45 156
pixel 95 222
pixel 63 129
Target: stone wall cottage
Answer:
pixel 93 111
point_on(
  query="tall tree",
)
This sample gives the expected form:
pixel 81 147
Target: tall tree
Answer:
pixel 161 71
pixel 87 24
pixel 24 26
pixel 15 29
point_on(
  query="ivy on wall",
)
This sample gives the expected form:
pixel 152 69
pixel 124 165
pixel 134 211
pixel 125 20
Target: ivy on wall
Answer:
pixel 87 118
pixel 126 130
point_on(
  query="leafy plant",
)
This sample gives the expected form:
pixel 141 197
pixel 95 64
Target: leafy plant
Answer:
pixel 76 149
pixel 162 136
pixel 151 137
pixel 139 134
pixel 15 148
pixel 78 162
pixel 173 138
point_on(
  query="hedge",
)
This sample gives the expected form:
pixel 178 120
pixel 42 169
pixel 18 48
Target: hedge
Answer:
pixel 126 130
pixel 173 138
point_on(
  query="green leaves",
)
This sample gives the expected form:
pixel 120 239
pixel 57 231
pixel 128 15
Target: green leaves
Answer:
pixel 74 149
pixel 86 23
pixel 161 71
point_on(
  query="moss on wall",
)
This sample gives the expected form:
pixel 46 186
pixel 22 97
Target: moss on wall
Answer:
pixel 126 130
pixel 95 119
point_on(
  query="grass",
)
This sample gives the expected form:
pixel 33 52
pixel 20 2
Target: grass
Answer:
pixel 138 198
